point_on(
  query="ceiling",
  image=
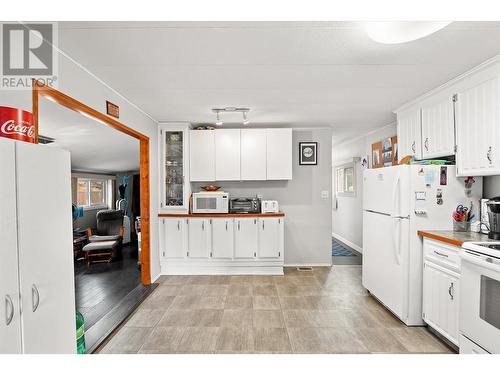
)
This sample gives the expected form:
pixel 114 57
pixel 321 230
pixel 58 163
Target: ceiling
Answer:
pixel 93 146
pixel 300 74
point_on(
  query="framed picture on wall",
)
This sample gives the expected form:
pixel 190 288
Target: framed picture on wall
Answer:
pixel 308 153
pixel 377 155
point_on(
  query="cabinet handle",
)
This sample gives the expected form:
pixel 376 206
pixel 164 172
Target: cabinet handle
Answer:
pixel 413 148
pixel 255 221
pixel 440 254
pixel 35 298
pixel 426 144
pixel 488 155
pixel 451 291
pixel 202 225
pixel 238 225
pixel 263 226
pixel 178 225
pixel 226 226
pixel 9 310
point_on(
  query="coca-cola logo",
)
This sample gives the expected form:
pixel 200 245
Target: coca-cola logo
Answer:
pixel 10 127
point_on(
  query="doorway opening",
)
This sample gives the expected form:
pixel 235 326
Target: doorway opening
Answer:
pixel 110 188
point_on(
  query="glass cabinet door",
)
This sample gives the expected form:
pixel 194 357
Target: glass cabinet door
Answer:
pixel 174 169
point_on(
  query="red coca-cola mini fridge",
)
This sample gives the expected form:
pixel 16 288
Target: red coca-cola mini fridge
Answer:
pixel 17 124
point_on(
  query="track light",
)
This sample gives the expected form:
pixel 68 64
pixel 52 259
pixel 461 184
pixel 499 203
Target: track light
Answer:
pixel 245 119
pixel 219 122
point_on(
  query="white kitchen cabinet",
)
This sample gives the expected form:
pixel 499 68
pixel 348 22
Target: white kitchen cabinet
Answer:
pixel 227 155
pixel 270 236
pixel 279 154
pixel 253 154
pixel 222 238
pixel 438 128
pixel 478 144
pixel 10 316
pixel 37 271
pixel 174 167
pixel 199 238
pixel 440 300
pixel 202 155
pixel 173 238
pixel 409 134
pixel 246 238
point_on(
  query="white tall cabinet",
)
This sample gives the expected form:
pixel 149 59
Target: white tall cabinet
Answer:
pixel 43 312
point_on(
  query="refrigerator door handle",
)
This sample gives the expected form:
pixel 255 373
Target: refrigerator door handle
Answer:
pixel 396 238
pixel 395 195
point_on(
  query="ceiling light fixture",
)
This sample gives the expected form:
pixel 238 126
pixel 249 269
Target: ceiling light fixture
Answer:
pixel 243 110
pixel 245 119
pixel 401 32
pixel 218 122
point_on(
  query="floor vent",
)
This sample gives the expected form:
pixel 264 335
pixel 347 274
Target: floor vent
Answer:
pixel 304 269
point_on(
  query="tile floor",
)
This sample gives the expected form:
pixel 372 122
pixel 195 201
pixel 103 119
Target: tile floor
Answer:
pixel 323 311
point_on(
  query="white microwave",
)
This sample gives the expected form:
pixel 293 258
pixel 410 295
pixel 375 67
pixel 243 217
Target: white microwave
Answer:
pixel 214 202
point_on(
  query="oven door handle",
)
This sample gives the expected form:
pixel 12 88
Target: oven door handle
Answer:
pixel 480 260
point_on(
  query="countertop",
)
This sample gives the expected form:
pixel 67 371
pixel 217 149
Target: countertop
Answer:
pixel 454 238
pixel 277 214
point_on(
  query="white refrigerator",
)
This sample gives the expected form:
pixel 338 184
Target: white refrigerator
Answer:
pixel 397 202
pixel 36 250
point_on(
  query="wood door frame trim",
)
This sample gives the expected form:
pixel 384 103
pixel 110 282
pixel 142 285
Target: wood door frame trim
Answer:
pixel 42 90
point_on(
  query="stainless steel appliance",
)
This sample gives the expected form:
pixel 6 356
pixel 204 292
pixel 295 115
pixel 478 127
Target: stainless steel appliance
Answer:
pixel 244 206
pixel 270 207
pixel 210 202
pixel 480 296
pixel 494 218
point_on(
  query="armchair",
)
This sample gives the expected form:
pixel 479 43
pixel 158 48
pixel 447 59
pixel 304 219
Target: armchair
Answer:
pixel 106 242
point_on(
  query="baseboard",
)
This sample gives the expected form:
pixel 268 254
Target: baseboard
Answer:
pixel 221 270
pixel 326 264
pixel 359 249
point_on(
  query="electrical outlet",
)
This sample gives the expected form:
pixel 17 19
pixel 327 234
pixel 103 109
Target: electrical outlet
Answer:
pixel 260 196
pixel 325 194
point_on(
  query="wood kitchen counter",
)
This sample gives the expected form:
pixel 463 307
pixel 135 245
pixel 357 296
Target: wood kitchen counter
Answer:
pixel 454 238
pixel 277 214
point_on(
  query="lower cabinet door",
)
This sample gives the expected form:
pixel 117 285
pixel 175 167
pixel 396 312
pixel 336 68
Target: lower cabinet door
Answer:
pixel 440 300
pixel 222 238
pixel 246 238
pixel 269 237
pixel 199 238
pixel 173 238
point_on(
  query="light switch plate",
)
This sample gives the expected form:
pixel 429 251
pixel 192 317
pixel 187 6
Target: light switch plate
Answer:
pixel 325 194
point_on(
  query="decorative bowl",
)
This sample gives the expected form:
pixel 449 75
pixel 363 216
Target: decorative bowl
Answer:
pixel 210 188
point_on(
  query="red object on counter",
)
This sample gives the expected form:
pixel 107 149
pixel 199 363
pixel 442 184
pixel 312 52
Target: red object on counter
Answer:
pixel 17 124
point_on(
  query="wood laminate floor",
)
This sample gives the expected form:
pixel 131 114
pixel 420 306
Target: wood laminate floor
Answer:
pixel 321 311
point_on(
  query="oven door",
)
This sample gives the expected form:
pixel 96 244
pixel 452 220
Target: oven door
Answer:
pixel 480 300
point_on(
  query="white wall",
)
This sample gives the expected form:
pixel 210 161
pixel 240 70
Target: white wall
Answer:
pixel 347 215
pixel 79 84
pixel 308 220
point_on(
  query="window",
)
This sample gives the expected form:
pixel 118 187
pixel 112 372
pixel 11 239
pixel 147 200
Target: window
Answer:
pixel 91 192
pixel 345 180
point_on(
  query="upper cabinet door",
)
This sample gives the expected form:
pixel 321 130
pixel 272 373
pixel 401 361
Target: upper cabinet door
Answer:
pixel 202 155
pixel 253 154
pixel 227 155
pixel 279 154
pixel 410 134
pixel 438 128
pixel 476 110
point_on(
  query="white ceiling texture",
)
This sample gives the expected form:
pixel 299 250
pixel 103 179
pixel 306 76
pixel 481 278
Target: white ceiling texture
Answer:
pixel 300 74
